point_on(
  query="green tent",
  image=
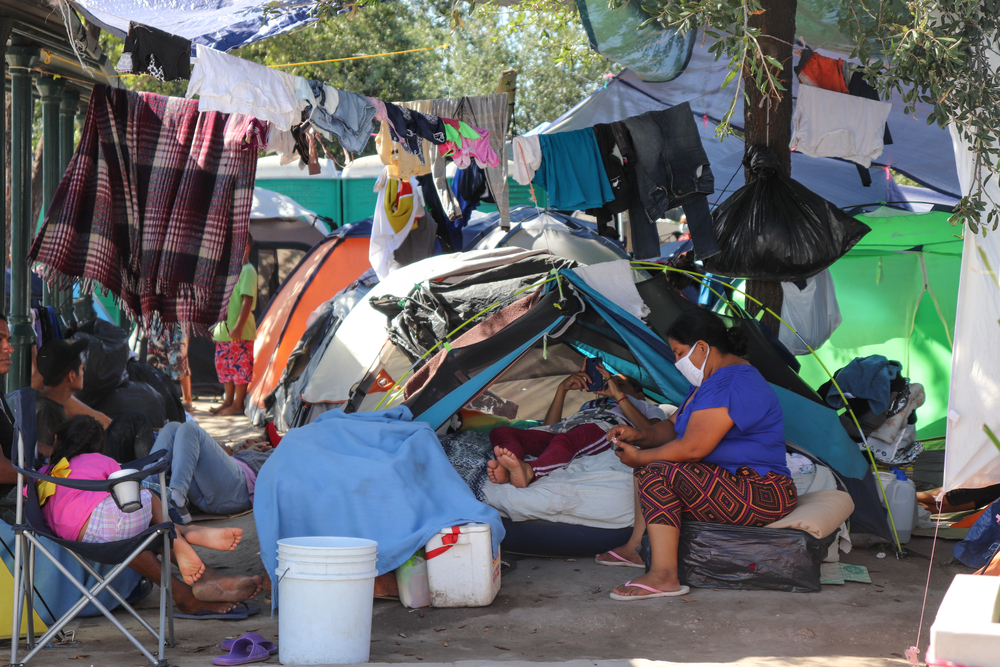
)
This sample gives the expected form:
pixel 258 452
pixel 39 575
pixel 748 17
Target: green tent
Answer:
pixel 897 291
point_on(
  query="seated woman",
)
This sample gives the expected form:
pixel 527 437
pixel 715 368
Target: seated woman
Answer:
pixel 559 441
pixel 93 516
pixel 719 459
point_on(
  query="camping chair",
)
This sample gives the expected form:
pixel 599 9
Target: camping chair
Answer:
pixel 31 526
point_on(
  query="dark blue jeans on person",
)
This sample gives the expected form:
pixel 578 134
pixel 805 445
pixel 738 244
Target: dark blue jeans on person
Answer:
pixel 672 170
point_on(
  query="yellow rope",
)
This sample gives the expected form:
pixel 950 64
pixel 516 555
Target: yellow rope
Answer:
pixel 374 55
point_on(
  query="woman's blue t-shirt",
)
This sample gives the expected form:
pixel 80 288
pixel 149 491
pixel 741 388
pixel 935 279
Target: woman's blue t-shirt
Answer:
pixel 757 438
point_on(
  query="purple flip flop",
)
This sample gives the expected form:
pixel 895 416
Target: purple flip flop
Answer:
pixel 227 644
pixel 243 651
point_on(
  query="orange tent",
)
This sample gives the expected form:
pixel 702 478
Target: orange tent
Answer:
pixel 328 268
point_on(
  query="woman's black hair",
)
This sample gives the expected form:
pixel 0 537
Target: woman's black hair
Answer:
pixel 80 435
pixel 700 324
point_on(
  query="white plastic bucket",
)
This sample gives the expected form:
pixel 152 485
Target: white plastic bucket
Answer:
pixel 325 589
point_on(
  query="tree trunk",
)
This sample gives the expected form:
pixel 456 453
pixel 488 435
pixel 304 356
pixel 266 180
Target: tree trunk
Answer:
pixel 768 120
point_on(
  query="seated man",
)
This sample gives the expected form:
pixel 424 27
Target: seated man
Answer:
pixel 558 442
pixel 214 478
pixel 61 365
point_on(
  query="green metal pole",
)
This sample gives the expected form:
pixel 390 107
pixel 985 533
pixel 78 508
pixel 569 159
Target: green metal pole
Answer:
pixel 50 91
pixel 20 59
pixel 67 137
pixel 6 25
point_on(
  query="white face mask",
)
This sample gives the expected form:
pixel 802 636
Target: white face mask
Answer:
pixel 692 373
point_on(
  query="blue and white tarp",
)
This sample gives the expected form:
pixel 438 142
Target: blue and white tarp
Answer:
pixel 220 24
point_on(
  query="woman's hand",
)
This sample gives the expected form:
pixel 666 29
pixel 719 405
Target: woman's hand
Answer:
pixel 629 455
pixel 623 435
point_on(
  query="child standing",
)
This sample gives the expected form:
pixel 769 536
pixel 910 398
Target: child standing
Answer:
pixel 234 339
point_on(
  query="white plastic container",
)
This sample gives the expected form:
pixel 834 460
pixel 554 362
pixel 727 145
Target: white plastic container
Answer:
pixel 411 579
pixel 325 589
pixel 464 574
pixel 901 497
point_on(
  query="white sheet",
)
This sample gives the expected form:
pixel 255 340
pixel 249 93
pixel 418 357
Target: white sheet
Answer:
pixel 591 491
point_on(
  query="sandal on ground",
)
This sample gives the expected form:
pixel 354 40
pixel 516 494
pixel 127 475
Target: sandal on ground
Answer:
pixel 622 562
pixel 242 652
pixel 227 644
pixel 653 593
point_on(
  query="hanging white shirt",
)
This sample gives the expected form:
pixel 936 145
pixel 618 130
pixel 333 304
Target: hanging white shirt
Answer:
pixel 385 239
pixel 233 85
pixel 527 158
pixel 830 124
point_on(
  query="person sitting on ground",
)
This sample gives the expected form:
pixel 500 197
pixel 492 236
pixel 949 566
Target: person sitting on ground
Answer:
pixel 958 500
pixel 234 339
pixel 93 516
pixel 720 458
pixel 217 479
pixel 559 441
pixel 61 365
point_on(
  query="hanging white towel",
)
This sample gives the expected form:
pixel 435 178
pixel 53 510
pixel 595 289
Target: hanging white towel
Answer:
pixel 234 85
pixel 527 158
pixel 813 311
pixel 384 239
pixel 831 124
pixel 614 281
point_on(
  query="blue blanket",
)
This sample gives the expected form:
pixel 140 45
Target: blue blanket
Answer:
pixel 374 475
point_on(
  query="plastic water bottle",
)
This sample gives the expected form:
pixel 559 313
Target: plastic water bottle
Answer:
pixel 901 497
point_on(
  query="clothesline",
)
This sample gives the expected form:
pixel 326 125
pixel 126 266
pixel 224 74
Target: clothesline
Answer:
pixel 374 55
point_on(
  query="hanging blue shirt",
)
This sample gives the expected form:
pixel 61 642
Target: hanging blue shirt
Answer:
pixel 572 172
pixel 757 438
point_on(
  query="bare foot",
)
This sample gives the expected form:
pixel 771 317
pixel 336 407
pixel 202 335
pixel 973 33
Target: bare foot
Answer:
pixel 651 580
pixel 188 561
pixel 627 552
pixel 230 411
pixel 497 473
pixel 186 603
pixel 214 587
pixel 219 408
pixel 220 539
pixel 521 474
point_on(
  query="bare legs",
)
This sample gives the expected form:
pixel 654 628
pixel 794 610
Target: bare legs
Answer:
pixel 227 399
pixel 237 399
pixel 187 559
pixel 189 600
pixel 186 396
pixel 662 575
pixel 628 551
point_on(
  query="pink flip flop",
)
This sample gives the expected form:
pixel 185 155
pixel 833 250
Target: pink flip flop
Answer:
pixel 653 593
pixel 622 562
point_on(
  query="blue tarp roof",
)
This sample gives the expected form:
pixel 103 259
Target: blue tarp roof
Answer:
pixel 220 24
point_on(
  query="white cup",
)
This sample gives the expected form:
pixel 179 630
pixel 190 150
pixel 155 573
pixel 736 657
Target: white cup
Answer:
pixel 126 494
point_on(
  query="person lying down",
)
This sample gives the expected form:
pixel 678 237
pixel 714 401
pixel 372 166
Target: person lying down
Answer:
pixel 93 516
pixel 558 441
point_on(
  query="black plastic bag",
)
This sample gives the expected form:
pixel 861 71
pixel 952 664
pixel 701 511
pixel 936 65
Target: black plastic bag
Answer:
pixel 137 396
pixel 107 355
pixel 161 382
pixel 776 229
pixel 717 555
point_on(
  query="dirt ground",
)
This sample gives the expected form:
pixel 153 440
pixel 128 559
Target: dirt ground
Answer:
pixel 558 610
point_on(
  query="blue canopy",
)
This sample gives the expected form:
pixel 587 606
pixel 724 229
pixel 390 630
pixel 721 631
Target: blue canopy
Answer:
pixel 220 24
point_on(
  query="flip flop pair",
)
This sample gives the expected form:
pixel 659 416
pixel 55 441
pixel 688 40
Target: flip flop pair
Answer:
pixel 653 593
pixel 251 647
pixel 618 562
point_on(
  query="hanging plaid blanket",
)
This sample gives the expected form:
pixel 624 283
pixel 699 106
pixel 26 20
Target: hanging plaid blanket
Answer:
pixel 154 206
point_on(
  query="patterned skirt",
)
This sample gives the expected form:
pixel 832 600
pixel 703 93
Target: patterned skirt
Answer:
pixel 706 492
